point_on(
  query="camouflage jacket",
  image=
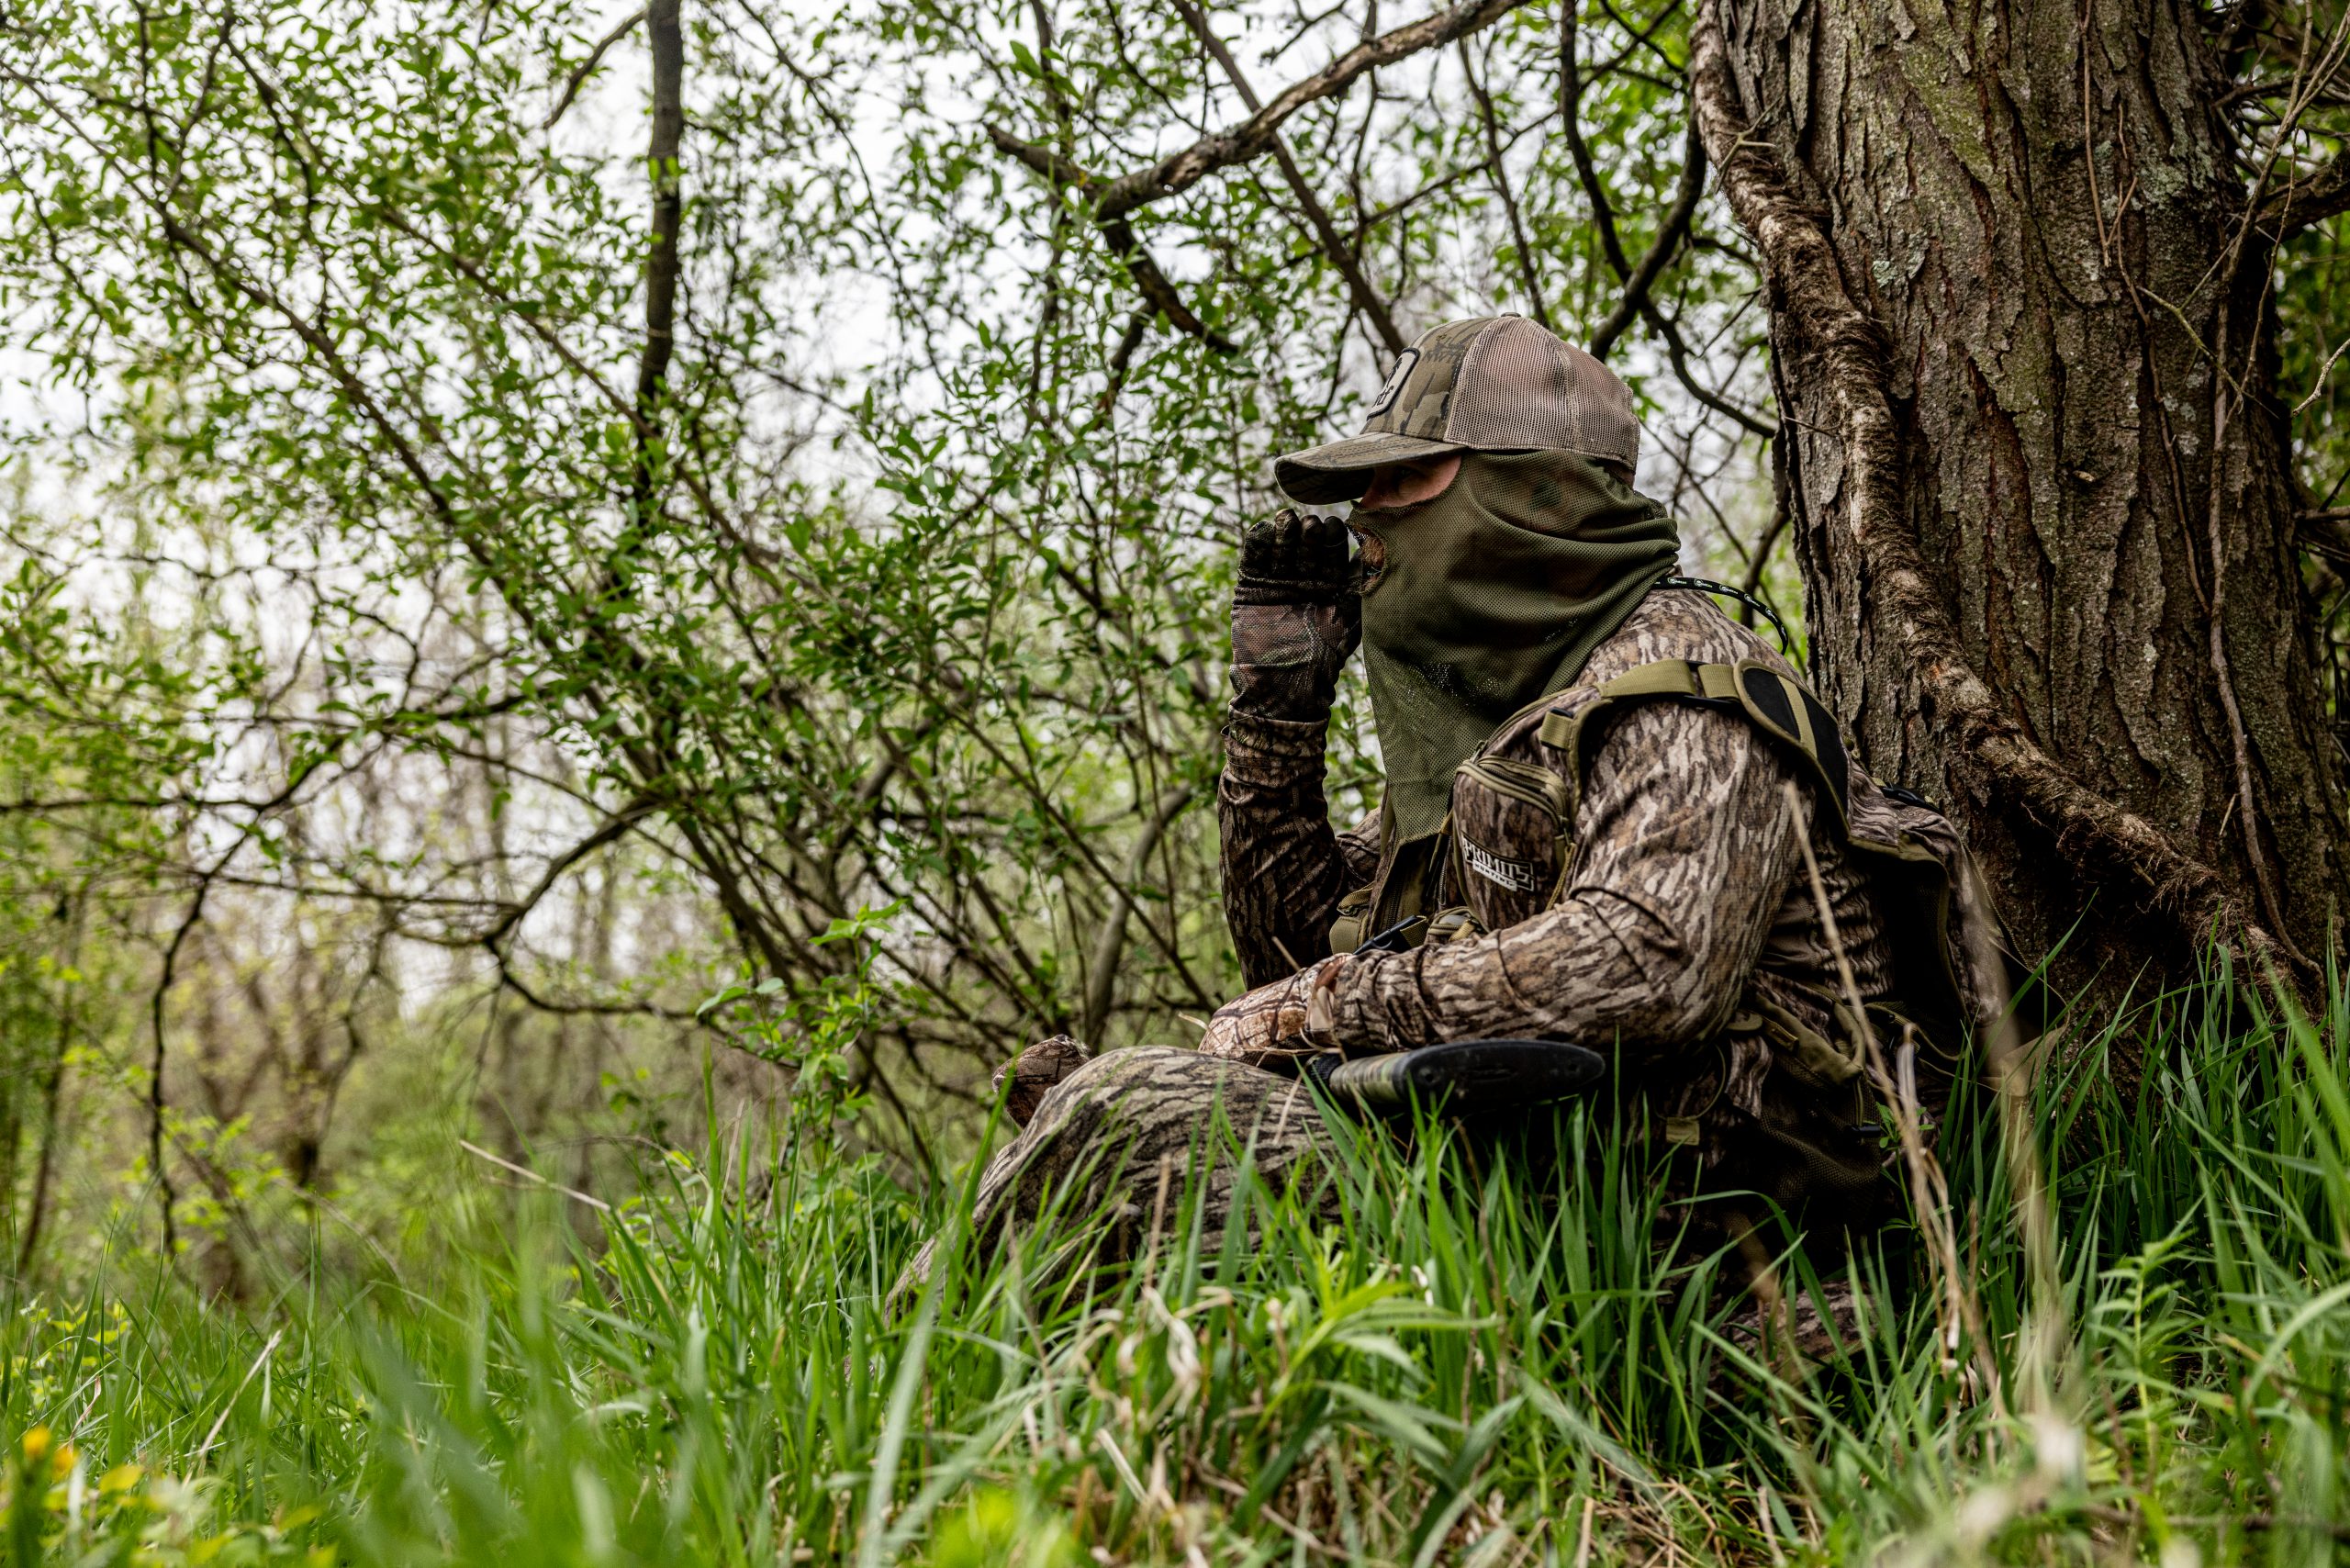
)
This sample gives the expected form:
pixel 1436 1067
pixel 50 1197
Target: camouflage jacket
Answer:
pixel 1647 895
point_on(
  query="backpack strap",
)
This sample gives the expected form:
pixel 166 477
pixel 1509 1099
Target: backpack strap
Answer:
pixel 1776 703
pixel 1916 871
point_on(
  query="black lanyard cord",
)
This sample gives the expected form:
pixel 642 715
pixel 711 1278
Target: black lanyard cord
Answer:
pixel 1706 585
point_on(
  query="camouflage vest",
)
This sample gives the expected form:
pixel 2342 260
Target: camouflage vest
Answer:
pixel 1785 1099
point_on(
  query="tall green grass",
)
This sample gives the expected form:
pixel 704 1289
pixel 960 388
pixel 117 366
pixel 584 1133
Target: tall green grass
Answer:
pixel 1472 1363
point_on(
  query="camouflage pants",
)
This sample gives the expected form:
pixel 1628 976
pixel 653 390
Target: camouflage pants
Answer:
pixel 1128 1141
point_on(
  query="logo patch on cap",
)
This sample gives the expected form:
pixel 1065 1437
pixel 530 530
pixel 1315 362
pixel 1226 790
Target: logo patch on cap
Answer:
pixel 1395 379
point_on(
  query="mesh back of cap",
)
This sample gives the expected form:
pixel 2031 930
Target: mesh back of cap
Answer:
pixel 1520 387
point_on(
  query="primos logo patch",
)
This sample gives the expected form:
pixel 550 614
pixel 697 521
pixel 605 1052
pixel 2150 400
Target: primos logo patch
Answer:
pixel 1517 876
pixel 1395 378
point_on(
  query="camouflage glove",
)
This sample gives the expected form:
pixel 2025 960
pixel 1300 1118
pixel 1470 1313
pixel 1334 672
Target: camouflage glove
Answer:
pixel 1295 617
pixel 1289 1018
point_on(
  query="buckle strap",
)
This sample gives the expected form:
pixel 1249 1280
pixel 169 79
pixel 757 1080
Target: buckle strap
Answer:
pixel 1776 703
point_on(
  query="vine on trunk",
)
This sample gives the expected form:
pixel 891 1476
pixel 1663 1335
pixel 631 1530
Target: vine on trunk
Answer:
pixel 1823 331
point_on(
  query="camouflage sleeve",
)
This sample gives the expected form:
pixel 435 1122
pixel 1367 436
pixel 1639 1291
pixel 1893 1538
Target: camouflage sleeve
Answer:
pixel 1683 850
pixel 1283 865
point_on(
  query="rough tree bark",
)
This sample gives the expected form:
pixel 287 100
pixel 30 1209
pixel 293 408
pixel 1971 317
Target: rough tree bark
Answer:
pixel 2044 502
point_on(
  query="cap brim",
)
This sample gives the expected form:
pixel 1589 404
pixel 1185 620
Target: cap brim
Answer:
pixel 1341 471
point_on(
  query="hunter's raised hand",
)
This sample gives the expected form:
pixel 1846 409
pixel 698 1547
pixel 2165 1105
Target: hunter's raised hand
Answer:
pixel 1295 616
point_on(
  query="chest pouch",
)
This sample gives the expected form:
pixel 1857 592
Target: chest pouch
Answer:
pixel 1347 931
pixel 1511 826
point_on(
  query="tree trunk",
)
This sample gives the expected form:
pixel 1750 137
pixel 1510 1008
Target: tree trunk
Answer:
pixel 2037 212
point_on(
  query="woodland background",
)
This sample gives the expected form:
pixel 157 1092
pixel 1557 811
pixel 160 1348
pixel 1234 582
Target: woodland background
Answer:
pixel 456 628
pixel 630 600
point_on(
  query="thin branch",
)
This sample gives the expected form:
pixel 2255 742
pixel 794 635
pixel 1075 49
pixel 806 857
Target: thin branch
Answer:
pixel 516 911
pixel 1065 173
pixel 530 1175
pixel 1498 176
pixel 1160 289
pixel 1603 212
pixel 588 66
pixel 1676 352
pixel 1101 978
pixel 1254 136
pixel 1639 283
pixel 1637 289
pixel 511 981
pixel 2303 204
pixel 1444 182
pixel 1366 299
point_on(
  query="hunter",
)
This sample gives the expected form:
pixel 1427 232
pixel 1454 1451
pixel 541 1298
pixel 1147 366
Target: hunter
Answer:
pixel 1613 815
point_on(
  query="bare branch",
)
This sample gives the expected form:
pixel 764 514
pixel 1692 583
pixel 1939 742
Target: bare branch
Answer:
pixel 2303 204
pixel 588 66
pixel 1676 351
pixel 1638 287
pixel 1640 284
pixel 1101 978
pixel 1254 136
pixel 509 980
pixel 528 1174
pixel 1366 299
pixel 515 912
pixel 1498 176
pixel 1603 212
pixel 1065 173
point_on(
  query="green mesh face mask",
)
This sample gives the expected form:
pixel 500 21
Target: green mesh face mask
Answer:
pixel 1489 595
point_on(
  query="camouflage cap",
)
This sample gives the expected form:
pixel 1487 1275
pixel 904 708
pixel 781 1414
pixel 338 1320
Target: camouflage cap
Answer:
pixel 1496 384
